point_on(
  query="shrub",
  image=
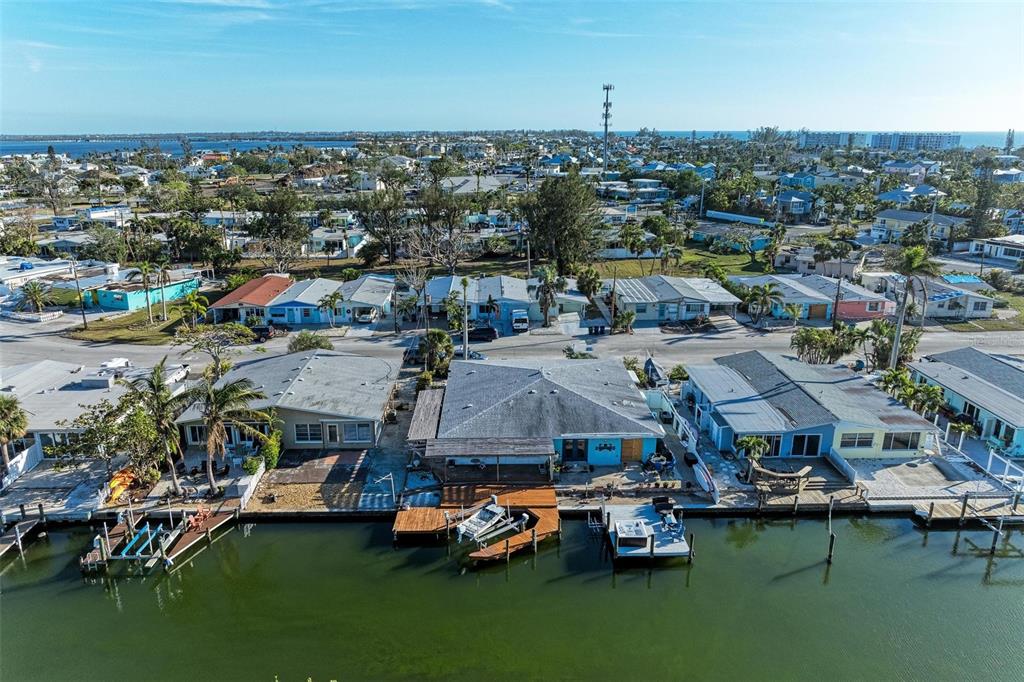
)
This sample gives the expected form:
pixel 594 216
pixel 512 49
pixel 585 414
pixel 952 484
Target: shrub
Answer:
pixel 271 449
pixel 252 464
pixel 678 373
pixel 424 380
pixel 632 363
pixel 307 340
pixel 349 274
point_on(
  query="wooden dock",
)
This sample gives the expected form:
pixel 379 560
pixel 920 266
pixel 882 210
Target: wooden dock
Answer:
pixel 191 536
pixel 96 557
pixel 17 535
pixel 419 521
pixel 983 510
pixel 546 524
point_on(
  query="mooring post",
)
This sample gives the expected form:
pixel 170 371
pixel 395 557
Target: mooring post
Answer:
pixel 608 520
pixel 931 513
pixel 508 552
pixel 652 546
pixel 106 539
pixel 149 540
pixel 21 508
pixel 995 539
pixel 533 533
pixel 831 547
pixel 963 510
pixel 1016 501
pixel 209 535
pixel 690 558
pixel 42 514
pixel 796 503
pixel 17 538
pixel 559 528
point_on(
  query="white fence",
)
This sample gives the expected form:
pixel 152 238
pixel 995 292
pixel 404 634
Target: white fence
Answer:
pixel 1005 471
pixel 24 461
pixel 22 316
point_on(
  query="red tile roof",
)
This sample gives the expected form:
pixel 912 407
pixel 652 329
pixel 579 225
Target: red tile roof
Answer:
pixel 257 292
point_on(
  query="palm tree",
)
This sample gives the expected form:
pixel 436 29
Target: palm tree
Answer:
pixel 329 303
pixel 549 285
pixel 224 405
pixel 146 269
pixel 859 337
pixel 35 296
pixel 13 424
pixel 760 300
pixel 914 264
pixel 753 448
pixel 793 311
pixel 437 350
pixel 163 275
pixel 929 398
pixel 895 381
pixel 194 305
pixel 152 393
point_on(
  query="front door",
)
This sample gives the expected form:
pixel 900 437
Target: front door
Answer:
pixel 332 434
pixel 632 449
pixel 806 445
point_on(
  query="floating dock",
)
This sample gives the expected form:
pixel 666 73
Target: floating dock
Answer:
pixel 641 531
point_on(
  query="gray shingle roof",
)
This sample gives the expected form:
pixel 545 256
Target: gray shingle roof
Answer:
pixel 368 290
pixel 918 216
pixel 307 292
pixel 994 383
pixel 322 382
pixel 779 390
pixel 537 399
pixel 663 288
pixel 739 403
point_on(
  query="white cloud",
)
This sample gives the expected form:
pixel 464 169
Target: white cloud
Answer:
pixel 38 45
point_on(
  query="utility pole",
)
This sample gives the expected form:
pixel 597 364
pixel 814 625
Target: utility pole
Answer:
pixel 78 286
pixel 465 318
pixel 607 117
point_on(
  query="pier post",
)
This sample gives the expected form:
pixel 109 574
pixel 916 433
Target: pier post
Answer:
pixel 931 513
pixel 42 514
pixel 21 550
pixel 21 508
pixel 963 510
pixel 533 533
pixel 508 552
pixel 608 520
pixel 1016 501
pixel 831 503
pixel 559 528
pixel 106 539
pixel 652 547
pixel 209 535
pixel 995 539
pixel 831 547
pixel 796 503
pixel 689 559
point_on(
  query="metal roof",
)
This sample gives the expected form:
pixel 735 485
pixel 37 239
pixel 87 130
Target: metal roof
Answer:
pixel 992 382
pixel 736 401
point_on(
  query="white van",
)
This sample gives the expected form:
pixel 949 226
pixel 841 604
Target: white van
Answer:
pixel 520 321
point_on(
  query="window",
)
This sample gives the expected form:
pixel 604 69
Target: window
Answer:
pixel 641 308
pixel 361 432
pixel 874 306
pixel 308 433
pixel 306 312
pixel 901 441
pixel 857 440
pixel 980 305
pixel 277 313
pixel 197 434
pixel 694 307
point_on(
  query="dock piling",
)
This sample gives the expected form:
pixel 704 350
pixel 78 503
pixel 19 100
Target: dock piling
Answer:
pixel 831 547
pixel 963 510
pixel 796 503
pixel 21 550
pixel 689 559
pixel 533 537
pixel 996 532
pixel 931 513
pixel 21 508
pixel 508 552
pixel 42 514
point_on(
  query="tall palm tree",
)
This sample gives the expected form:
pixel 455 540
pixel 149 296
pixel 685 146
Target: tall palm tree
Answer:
pixel 859 336
pixel 152 393
pixel 194 305
pixel 761 298
pixel 222 406
pixel 549 284
pixel 895 381
pixel 929 398
pixel 163 274
pixel 915 265
pixel 13 425
pixel 146 270
pixel 329 303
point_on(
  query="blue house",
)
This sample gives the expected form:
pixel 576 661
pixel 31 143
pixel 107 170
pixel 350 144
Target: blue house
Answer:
pixel 590 411
pixel 801 180
pixel 814 305
pixel 801 410
pixel 131 295
pixel 369 295
pixel 986 388
pixel 709 233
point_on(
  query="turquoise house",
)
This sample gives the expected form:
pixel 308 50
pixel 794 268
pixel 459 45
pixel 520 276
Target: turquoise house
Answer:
pixel 985 388
pixel 132 296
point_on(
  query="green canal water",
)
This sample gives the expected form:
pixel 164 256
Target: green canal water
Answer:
pixel 336 601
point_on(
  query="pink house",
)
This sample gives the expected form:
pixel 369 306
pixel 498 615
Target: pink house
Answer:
pixel 855 302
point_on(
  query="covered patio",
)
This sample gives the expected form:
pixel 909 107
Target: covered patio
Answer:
pixel 503 460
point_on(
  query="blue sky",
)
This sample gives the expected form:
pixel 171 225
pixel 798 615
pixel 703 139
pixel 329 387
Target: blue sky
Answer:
pixel 71 66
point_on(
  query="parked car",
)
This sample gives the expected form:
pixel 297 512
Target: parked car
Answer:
pixel 480 334
pixel 473 355
pixel 266 332
pixel 367 318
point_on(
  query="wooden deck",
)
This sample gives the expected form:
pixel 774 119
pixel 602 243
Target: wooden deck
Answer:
pixel 977 509
pixel 93 559
pixel 21 529
pixel 192 536
pixel 546 526
pixel 419 520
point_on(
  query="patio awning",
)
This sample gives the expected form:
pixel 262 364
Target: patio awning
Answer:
pixel 489 447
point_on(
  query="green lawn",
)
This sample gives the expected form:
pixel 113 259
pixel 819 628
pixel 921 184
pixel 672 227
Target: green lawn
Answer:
pixel 135 327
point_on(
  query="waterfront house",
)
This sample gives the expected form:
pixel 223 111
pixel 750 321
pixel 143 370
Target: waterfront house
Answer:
pixel 662 298
pixel 944 300
pixel 581 411
pixel 801 410
pixel 1013 220
pixel 324 400
pixel 891 223
pixel 250 299
pixel 53 394
pixel 816 294
pixel 986 388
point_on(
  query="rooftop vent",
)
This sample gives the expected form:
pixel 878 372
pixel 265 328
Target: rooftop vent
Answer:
pixel 532 390
pixel 554 390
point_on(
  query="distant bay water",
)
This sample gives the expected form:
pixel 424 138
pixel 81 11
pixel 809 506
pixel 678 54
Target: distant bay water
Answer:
pixel 83 147
pixel 77 148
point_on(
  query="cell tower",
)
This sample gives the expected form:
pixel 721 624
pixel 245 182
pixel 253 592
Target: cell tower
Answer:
pixel 607 116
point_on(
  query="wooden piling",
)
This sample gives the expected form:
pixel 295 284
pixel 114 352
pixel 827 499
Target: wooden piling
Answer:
pixel 508 552
pixel 995 539
pixel 931 513
pixel 21 549
pixel 831 547
pixel 209 535
pixel 559 528
pixel 689 559
pixel 963 510
pixel 796 503
pixel 21 508
pixel 42 514
pixel 533 534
